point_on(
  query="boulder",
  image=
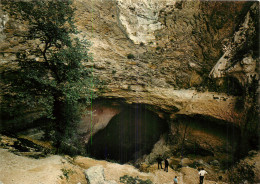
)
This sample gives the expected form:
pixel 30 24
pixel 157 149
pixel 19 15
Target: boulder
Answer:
pixel 185 162
pixel 95 175
pixel 215 163
pixel 252 153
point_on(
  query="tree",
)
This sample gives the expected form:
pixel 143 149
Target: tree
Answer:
pixel 52 72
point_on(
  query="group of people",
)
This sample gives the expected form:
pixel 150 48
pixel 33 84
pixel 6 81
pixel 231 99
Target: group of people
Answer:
pixel 159 159
pixel 166 163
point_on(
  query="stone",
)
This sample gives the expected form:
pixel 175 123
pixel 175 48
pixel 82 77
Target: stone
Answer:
pixel 110 182
pixel 95 175
pixel 215 163
pixel 99 66
pixel 252 153
pixel 185 162
pixel 200 162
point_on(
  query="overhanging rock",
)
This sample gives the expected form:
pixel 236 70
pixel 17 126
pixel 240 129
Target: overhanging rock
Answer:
pixel 188 102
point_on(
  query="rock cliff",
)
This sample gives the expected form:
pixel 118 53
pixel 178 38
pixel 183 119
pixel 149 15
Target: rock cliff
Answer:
pixel 165 54
pixel 173 45
pixel 162 53
pixel 146 51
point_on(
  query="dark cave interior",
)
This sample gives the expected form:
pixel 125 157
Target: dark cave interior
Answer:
pixel 128 136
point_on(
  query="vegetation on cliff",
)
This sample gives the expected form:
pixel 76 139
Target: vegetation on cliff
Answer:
pixel 52 74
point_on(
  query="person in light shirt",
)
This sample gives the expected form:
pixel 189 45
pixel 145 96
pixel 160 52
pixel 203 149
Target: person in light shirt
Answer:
pixel 175 180
pixel 202 172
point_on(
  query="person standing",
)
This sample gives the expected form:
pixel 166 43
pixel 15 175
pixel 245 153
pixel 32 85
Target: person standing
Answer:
pixel 175 180
pixel 159 160
pixel 202 172
pixel 166 164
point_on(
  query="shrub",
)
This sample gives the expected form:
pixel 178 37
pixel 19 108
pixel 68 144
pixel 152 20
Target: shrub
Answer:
pixel 66 173
pixel 158 48
pixel 131 180
pixel 242 172
pixel 130 56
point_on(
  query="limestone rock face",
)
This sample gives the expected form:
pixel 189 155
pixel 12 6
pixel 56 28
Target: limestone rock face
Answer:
pixel 172 42
pixel 219 106
pixel 235 61
pixel 3 19
pixel 140 19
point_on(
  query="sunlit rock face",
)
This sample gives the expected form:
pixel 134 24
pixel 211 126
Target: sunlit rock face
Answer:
pixel 140 19
pixel 240 58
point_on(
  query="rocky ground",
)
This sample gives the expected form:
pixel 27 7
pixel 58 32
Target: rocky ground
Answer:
pixel 19 167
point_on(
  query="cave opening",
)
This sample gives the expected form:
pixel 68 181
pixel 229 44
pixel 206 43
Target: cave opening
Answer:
pixel 128 136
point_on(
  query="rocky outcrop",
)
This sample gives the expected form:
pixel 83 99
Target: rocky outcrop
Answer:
pixel 240 58
pixel 188 102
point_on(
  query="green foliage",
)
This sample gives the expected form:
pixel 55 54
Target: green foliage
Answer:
pixel 66 173
pixel 114 72
pixel 158 48
pixel 130 56
pixel 55 79
pixel 242 172
pixel 133 180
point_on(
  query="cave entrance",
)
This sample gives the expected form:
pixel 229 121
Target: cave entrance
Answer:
pixel 128 136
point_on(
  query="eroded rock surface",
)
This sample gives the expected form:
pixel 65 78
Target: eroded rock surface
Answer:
pixel 235 61
pixel 188 102
pixel 155 33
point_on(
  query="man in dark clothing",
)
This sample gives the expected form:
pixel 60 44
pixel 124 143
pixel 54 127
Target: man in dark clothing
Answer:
pixel 159 160
pixel 166 165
